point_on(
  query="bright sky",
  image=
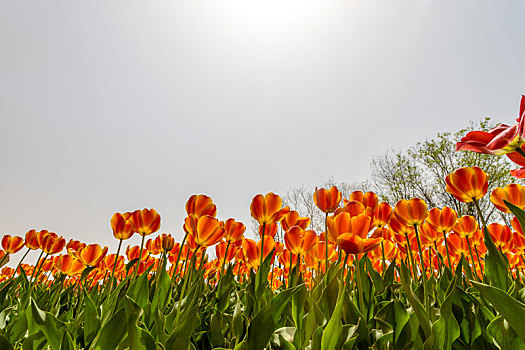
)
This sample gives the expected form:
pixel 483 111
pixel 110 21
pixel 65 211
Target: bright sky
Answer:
pixel 111 106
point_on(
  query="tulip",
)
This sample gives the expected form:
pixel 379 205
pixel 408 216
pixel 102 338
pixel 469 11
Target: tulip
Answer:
pixel 503 139
pixel 467 184
pixel 69 265
pixel 206 230
pixel 267 209
pixel 512 193
pixel 200 205
pixel 12 244
pixel 293 219
pixel 299 241
pixel 327 200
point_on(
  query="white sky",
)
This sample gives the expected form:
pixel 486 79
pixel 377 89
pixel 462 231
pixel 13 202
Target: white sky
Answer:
pixel 116 105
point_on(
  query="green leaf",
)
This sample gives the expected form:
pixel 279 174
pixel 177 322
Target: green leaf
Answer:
pixel 504 335
pixel 446 329
pixel 180 337
pixel 4 343
pixel 91 320
pixel 334 327
pixel 138 338
pixel 261 279
pixel 419 309
pixel 298 310
pixel 67 342
pixel 512 310
pixel 224 290
pixel 265 321
pixel 139 291
pixel 393 317
pixel 112 334
pixel 48 324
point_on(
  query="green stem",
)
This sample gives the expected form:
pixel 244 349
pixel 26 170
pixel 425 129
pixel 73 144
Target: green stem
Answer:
pixel 36 266
pixel 224 260
pixel 448 254
pixel 173 276
pixel 140 257
pixel 20 262
pixel 472 258
pixel 410 256
pixel 114 266
pixel 262 245
pixel 423 269
pixel 359 287
pixel 326 243
pixel 38 271
pixel 384 260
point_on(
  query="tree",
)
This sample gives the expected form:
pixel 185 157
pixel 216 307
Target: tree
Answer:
pixel 422 169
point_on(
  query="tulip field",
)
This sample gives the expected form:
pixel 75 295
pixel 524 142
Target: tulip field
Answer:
pixel 381 275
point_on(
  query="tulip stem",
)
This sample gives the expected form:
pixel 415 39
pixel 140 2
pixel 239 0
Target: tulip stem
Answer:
pixel 114 266
pixel 472 258
pixel 20 262
pixel 173 275
pixel 384 263
pixel 410 256
pixel 423 269
pixel 34 269
pixel 140 257
pixel 446 248
pixel 359 286
pixel 326 243
pixel 262 245
pixel 38 271
pixel 224 260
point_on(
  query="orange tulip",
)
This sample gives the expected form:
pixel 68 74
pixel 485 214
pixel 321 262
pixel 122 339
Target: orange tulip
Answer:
pixel 369 199
pixel 268 209
pixel 327 200
pixel 429 235
pixel 52 244
pixel 293 219
pixel 442 220
pixel 12 244
pixel 74 246
pixel 299 241
pixel 512 193
pixel 92 254
pixel 145 221
pixel 382 214
pixel 133 253
pixel 269 229
pixel 222 254
pixel 354 244
pixel 165 242
pixel 69 265
pixel 458 245
pixel 233 230
pixel 200 205
pixel 288 258
pixel 466 226
pixel 467 184
pixel 317 253
pixel 31 240
pixel 152 247
pixel 122 226
pixel 344 223
pixel 252 250
pixel 517 226
pixel 206 231
pixel 411 212
pixel 109 263
pixel 353 208
pixel 502 236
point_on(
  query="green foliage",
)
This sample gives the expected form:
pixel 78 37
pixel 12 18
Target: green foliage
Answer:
pixel 420 171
